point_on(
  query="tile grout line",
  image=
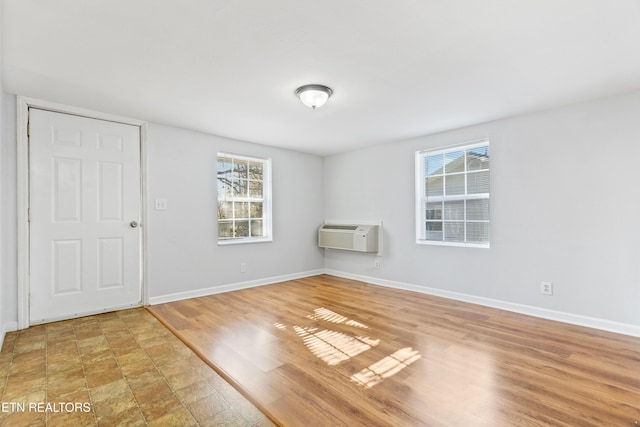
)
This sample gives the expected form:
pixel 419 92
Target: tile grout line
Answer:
pixel 157 370
pixel 120 367
pixel 84 373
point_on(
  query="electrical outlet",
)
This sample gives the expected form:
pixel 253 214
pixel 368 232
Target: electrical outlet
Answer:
pixel 243 267
pixel 546 288
pixel 376 263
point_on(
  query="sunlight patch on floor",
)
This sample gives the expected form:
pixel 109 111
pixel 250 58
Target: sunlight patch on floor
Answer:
pixel 333 317
pixel 333 347
pixel 387 367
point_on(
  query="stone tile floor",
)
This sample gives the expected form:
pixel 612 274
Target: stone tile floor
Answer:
pixel 121 368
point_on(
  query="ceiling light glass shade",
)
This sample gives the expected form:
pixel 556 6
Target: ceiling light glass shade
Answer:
pixel 313 96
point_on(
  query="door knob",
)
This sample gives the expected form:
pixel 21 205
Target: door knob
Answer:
pixel 133 224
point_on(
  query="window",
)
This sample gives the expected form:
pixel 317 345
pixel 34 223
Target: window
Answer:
pixel 244 199
pixel 452 196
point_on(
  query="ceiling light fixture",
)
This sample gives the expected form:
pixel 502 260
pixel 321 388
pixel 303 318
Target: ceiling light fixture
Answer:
pixel 313 96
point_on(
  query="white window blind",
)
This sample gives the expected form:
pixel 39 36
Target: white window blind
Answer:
pixel 452 195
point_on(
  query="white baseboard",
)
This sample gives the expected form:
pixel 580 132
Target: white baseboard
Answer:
pixel 83 314
pixel 231 287
pixel 574 319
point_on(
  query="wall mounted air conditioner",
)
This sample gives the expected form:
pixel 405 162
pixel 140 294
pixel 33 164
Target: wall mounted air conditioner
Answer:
pixel 360 238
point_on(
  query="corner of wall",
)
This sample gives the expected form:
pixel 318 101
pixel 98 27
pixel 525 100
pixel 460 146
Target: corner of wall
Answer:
pixel 2 284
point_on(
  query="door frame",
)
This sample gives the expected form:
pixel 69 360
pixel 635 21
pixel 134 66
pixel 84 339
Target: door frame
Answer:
pixel 22 112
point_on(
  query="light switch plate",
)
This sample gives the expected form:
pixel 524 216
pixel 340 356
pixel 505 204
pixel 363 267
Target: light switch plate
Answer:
pixel 161 204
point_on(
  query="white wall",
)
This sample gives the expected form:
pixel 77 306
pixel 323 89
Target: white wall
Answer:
pixel 2 321
pixel 564 208
pixel 184 256
pixel 7 216
pixel 8 249
pixel 8 209
pixel 8 230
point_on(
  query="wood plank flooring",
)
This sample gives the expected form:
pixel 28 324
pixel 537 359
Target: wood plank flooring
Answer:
pixel 326 351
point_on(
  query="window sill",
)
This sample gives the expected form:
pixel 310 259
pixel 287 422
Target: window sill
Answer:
pixel 243 241
pixel 462 245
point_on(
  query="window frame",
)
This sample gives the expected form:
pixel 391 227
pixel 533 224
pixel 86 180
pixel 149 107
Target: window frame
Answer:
pixel 266 199
pixel 421 199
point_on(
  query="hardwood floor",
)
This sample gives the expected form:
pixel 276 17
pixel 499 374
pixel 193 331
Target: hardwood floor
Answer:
pixel 326 351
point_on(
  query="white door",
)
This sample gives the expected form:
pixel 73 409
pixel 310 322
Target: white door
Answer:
pixel 84 200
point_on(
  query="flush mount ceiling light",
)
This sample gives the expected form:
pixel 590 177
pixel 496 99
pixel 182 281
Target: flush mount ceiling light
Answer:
pixel 313 96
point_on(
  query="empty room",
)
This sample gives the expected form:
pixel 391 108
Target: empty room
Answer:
pixel 304 213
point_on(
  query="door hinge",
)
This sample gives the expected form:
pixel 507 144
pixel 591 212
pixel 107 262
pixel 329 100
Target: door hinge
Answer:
pixel 28 214
pixel 28 128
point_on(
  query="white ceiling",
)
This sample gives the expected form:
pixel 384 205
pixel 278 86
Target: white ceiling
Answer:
pixel 398 69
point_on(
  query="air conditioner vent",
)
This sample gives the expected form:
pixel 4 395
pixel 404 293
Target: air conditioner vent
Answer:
pixel 339 227
pixel 359 238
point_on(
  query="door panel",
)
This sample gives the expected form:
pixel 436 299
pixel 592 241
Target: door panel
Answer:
pixel 110 263
pixel 110 191
pixel 67 190
pixel 84 184
pixel 67 267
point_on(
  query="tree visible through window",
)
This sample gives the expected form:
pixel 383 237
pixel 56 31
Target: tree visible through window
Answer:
pixel 244 204
pixel 452 197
